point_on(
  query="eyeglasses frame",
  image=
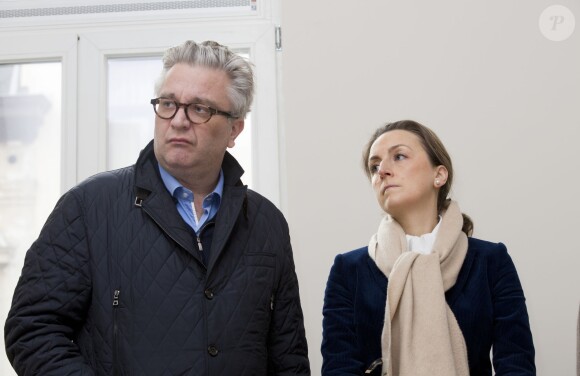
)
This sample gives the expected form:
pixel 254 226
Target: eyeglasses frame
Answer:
pixel 178 105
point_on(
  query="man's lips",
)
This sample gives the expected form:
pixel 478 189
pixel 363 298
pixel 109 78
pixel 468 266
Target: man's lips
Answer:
pixel 178 141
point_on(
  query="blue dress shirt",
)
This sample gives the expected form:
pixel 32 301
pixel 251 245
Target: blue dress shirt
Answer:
pixel 211 202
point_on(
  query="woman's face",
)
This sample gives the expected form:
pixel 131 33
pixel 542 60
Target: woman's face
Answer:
pixel 402 176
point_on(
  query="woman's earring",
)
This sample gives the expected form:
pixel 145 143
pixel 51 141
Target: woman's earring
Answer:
pixel 436 182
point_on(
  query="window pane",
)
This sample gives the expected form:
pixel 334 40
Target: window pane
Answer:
pixel 131 118
pixel 30 173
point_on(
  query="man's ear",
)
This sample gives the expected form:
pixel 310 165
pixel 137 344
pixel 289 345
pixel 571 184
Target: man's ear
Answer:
pixel 237 128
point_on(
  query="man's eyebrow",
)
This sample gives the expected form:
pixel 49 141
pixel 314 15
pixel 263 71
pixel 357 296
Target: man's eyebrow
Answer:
pixel 197 100
pixel 168 96
pixel 207 102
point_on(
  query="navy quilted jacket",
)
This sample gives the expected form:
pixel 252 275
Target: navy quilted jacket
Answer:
pixel 115 285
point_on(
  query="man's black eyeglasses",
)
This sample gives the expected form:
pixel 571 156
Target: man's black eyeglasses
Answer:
pixel 195 112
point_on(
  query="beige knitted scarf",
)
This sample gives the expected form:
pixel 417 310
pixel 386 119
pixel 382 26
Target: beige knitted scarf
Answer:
pixel 420 334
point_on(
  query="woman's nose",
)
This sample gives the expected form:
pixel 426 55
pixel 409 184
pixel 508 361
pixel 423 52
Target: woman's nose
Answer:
pixel 383 171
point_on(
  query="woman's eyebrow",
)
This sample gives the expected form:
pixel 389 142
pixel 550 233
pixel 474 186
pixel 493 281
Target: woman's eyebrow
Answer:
pixel 398 146
pixel 375 157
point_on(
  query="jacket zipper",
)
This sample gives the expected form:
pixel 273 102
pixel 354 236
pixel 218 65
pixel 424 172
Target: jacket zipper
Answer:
pixel 198 239
pixel 165 230
pixel 116 365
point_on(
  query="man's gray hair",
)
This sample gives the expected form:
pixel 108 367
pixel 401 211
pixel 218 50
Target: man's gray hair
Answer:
pixel 213 55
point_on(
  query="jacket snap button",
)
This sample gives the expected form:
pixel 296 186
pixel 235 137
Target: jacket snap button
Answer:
pixel 208 294
pixel 212 350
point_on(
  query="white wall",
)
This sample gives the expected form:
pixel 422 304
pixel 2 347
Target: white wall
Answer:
pixel 504 99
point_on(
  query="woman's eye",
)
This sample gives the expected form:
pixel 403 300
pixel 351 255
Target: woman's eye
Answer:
pixel 374 168
pixel 399 157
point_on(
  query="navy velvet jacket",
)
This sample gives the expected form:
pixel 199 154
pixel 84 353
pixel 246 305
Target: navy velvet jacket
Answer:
pixel 487 301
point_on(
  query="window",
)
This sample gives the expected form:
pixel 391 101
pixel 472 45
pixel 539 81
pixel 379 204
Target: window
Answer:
pixel 30 162
pixel 103 55
pixel 109 34
pixel 30 130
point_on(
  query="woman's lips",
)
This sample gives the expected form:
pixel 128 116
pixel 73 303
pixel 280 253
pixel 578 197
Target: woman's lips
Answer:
pixel 389 186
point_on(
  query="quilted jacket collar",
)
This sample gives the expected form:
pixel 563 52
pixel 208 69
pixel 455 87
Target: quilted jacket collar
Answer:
pixel 232 169
pixel 152 195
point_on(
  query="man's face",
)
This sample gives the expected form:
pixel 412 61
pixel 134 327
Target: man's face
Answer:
pixel 184 148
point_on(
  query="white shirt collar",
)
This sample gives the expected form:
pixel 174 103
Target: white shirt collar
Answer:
pixel 423 244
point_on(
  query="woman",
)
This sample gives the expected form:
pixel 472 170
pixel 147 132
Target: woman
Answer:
pixel 423 298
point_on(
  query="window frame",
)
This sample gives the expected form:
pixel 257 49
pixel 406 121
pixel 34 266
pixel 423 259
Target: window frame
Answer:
pixel 85 47
pixel 46 47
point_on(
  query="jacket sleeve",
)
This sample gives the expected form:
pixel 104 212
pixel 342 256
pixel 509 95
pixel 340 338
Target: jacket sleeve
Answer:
pixel 51 298
pixel 513 348
pixel 287 346
pixel 340 355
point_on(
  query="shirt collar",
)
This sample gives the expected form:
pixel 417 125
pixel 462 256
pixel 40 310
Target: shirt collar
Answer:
pixel 424 243
pixel 171 183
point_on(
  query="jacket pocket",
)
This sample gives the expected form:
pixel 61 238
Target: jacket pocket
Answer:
pixel 261 267
pixel 261 273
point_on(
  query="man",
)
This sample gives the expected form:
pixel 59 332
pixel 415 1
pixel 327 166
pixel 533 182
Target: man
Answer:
pixel 170 266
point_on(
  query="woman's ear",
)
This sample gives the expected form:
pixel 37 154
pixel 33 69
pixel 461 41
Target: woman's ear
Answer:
pixel 441 174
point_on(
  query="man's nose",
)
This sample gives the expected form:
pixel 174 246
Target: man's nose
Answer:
pixel 180 119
